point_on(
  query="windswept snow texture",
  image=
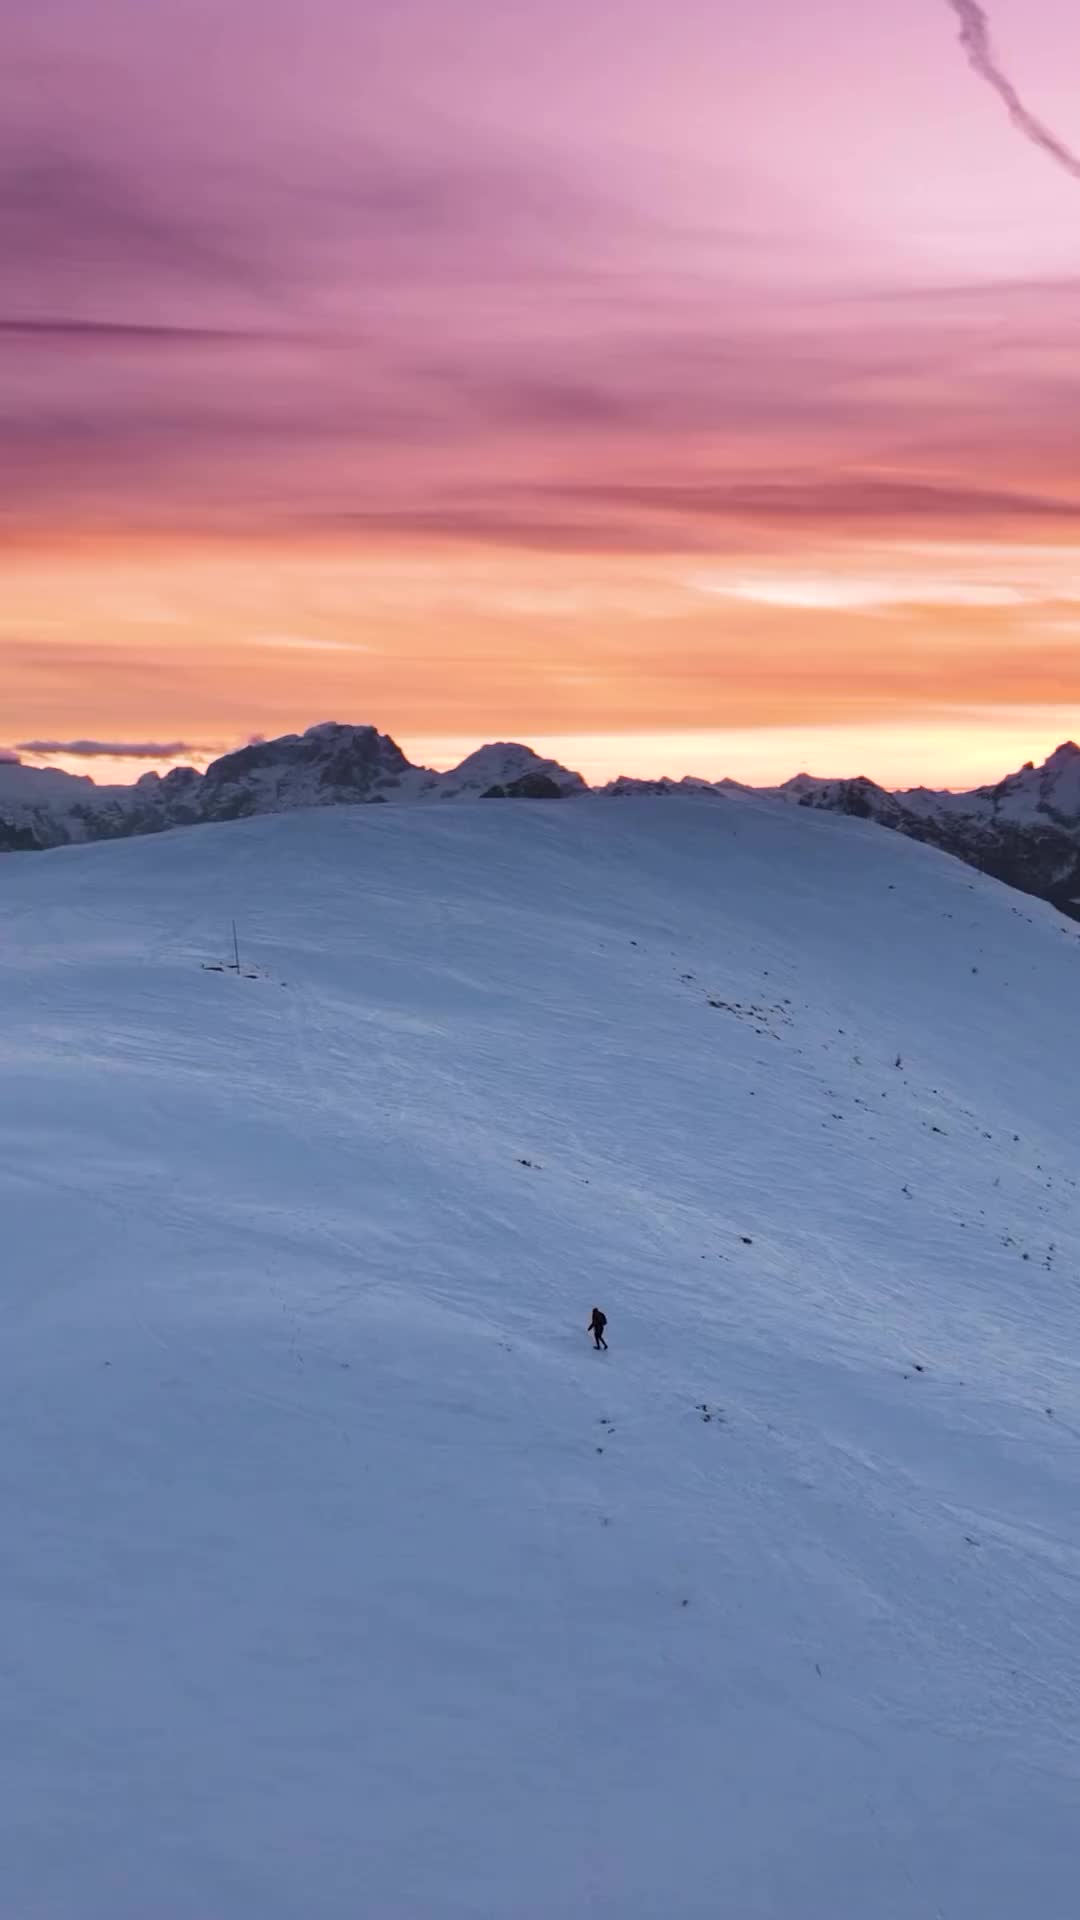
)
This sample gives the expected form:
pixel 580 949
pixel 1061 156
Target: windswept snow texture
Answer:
pixel 342 1577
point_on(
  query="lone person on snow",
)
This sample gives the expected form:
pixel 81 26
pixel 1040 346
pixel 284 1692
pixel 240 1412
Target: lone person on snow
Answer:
pixel 596 1328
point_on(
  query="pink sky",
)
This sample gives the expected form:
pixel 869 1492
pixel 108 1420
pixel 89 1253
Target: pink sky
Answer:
pixel 646 374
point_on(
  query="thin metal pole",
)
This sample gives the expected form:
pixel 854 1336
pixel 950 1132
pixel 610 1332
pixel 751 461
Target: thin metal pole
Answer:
pixel 236 947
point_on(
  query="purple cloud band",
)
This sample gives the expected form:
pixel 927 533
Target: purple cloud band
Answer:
pixel 230 301
pixel 108 749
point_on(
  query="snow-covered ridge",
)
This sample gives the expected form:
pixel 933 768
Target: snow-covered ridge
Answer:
pixel 1024 830
pixel 1034 795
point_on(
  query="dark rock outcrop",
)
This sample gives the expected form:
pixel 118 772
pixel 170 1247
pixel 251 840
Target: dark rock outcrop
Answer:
pixel 529 786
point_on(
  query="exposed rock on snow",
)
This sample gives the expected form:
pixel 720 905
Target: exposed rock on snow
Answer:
pixel 329 765
pixel 627 785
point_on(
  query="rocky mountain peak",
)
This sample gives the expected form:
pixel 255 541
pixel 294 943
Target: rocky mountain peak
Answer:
pixel 507 768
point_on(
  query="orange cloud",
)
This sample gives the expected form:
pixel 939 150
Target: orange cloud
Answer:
pixel 215 639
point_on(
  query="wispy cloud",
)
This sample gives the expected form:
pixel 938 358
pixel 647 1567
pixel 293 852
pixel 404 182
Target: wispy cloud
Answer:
pixel 977 42
pixel 307 643
pixel 109 749
pixel 68 331
pixel 852 594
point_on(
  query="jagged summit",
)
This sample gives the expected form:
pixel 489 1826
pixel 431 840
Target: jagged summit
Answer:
pixel 329 765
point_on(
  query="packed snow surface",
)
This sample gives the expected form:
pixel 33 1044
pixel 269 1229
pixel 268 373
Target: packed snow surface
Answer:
pixel 343 1579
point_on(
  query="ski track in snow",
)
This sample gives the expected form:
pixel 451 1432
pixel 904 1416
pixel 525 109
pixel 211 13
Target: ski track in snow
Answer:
pixel 344 1577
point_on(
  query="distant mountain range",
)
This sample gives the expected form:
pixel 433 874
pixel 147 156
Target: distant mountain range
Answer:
pixel 1025 830
pixel 328 766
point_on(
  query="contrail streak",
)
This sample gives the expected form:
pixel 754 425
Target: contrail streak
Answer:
pixel 979 47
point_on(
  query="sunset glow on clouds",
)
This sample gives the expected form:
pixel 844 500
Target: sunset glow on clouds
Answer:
pixel 680 380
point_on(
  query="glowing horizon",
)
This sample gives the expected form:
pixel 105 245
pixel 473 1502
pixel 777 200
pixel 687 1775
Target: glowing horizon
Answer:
pixel 980 747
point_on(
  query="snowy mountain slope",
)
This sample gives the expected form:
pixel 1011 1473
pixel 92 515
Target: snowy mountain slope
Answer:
pixel 343 1577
